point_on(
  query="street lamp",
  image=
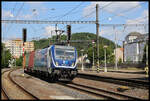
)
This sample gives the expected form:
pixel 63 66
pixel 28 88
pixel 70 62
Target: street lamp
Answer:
pixel 105 70
pixel 82 59
pixel 93 53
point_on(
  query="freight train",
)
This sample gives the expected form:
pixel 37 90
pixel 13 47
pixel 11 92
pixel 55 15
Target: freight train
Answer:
pixel 55 62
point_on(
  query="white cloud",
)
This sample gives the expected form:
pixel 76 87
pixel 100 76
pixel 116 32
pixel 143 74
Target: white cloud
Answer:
pixel 145 13
pixel 36 7
pixel 106 32
pixel 33 13
pixel 28 16
pixel 7 14
pixel 49 31
pixel 113 7
pixel 121 33
pixel 34 4
pixel 142 19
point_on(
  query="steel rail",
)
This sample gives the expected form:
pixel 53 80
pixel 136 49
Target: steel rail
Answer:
pixel 86 91
pixel 120 81
pixel 3 89
pixel 108 92
pixel 21 87
pixel 5 93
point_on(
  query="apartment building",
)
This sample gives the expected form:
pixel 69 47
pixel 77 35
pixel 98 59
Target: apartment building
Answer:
pixel 16 47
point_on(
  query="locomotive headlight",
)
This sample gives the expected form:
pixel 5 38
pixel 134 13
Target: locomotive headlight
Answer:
pixel 56 63
pixel 72 64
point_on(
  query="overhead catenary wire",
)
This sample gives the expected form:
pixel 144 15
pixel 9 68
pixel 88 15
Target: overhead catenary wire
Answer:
pixel 12 13
pixel 124 11
pixel 71 10
pixel 115 14
pixel 95 10
pixel 63 14
pixel 16 15
pixel 107 25
pixel 138 20
pixel 68 12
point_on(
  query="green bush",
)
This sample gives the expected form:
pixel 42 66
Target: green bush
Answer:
pixel 19 61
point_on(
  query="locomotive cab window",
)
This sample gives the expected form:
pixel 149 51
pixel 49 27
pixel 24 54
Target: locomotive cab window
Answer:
pixel 62 53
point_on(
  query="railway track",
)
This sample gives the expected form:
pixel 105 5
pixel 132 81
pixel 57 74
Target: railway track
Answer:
pixel 120 81
pixel 3 91
pixel 25 92
pixel 109 95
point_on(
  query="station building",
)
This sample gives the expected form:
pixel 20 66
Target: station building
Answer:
pixel 134 47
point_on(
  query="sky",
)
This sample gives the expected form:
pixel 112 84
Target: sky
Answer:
pixel 133 12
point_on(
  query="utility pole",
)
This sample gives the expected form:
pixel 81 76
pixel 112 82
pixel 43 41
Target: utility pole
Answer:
pixel 24 40
pixel 50 38
pixel 93 54
pixel 56 33
pixel 146 47
pixel 97 33
pixel 123 50
pixel 115 50
pixel 105 69
pixel 82 59
pixel 147 53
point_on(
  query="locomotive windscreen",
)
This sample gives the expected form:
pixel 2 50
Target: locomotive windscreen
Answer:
pixel 64 53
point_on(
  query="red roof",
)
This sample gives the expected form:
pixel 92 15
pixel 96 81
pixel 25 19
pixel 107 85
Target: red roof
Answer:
pixel 121 49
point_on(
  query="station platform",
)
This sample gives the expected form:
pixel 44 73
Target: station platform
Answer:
pixel 124 74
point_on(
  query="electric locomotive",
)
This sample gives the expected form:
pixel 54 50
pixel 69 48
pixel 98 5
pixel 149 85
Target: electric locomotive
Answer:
pixel 56 62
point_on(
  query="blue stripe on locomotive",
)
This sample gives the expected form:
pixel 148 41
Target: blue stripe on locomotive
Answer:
pixel 68 63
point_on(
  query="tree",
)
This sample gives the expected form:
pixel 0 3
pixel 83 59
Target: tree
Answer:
pixel 120 61
pixel 86 46
pixel 5 56
pixel 19 61
pixel 39 44
pixel 109 54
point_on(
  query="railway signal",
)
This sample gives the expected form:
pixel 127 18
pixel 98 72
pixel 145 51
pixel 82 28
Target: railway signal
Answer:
pixel 24 40
pixel 68 33
pixel 24 34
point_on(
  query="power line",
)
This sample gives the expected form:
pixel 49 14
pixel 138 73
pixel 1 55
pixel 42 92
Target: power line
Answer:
pixel 46 22
pixel 105 6
pixel 16 15
pixel 127 10
pixel 63 22
pixel 138 20
pixel 95 11
pixel 11 12
pixel 87 15
pixel 123 24
pixel 71 10
pixel 63 14
pixel 19 10
pixel 125 16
